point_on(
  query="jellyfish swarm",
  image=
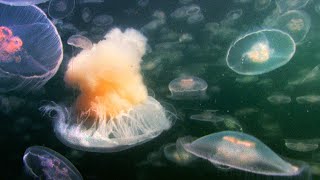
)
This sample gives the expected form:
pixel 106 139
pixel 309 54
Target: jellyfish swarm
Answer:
pixel 31 49
pixel 260 52
pixel 22 2
pixel 43 163
pixel 113 111
pixel 188 88
pixel 241 151
pixel 59 9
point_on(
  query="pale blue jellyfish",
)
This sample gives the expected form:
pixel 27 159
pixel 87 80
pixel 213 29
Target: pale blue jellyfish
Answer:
pixel 241 151
pixel 260 52
pixel 59 9
pixel 43 163
pixel 286 5
pixel 30 48
pixel 22 2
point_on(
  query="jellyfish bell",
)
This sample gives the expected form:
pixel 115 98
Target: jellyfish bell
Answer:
pixel 306 145
pixel 308 99
pixel 241 151
pixel 260 52
pixel 260 5
pixel 22 2
pixel 24 61
pixel 113 111
pixel 59 9
pixel 188 87
pixel 80 41
pixel 286 5
pixel 278 99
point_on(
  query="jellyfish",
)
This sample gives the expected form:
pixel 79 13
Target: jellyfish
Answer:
pixel 44 163
pixel 232 16
pixel 180 13
pixel 247 79
pixel 80 41
pixel 86 14
pixel 278 99
pixel 188 87
pixel 185 1
pixel 22 2
pixel 185 37
pixel 207 116
pixel 302 145
pixel 260 5
pixel 246 111
pixel 59 9
pixel 241 151
pixel 296 23
pixel 286 5
pixel 30 48
pixel 308 99
pixel 102 20
pixel 113 111
pixel 193 9
pixel 195 18
pixel 260 52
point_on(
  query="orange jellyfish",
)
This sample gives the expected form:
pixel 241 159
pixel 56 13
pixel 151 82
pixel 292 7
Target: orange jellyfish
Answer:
pixel 113 111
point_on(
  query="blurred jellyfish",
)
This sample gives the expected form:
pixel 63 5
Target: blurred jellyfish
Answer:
pixel 180 13
pixel 260 52
pixel 278 99
pixel 22 2
pixel 286 5
pixel 43 163
pixel 86 14
pixel 195 18
pixel 207 115
pixel 108 115
pixel 193 9
pixel 246 111
pixel 143 3
pixel 232 17
pixel 302 145
pixel 308 99
pixel 153 25
pixel 80 41
pixel 317 7
pixel 247 79
pixel 241 151
pixel 30 48
pixel 185 1
pixel 260 5
pixel 102 20
pixel 176 153
pixel 296 23
pixel 185 37
pixel 59 9
pixel 188 87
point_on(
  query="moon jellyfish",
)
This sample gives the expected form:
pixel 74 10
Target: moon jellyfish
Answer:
pixel 279 99
pixel 179 13
pixel 308 99
pixel 176 153
pixel 80 41
pixel 207 115
pixel 195 18
pixel 22 2
pixel 241 151
pixel 296 23
pixel 102 20
pixel 260 52
pixel 302 145
pixel 43 163
pixel 143 3
pixel 188 87
pixel 260 5
pixel 113 111
pixel 247 79
pixel 59 9
pixel 86 14
pixel 286 5
pixel 27 59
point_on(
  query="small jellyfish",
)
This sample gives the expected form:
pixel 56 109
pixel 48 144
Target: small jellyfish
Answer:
pixel 108 116
pixel 86 14
pixel 195 18
pixel 193 9
pixel 43 163
pixel 185 37
pixel 102 20
pixel 27 36
pixel 80 41
pixel 143 3
pixel 241 151
pixel 296 23
pixel 302 145
pixel 207 115
pixel 286 5
pixel 185 1
pixel 278 99
pixel 234 15
pixel 308 99
pixel 260 52
pixel 188 87
pixel 180 13
pixel 22 2
pixel 260 5
pixel 59 9
pixel 247 79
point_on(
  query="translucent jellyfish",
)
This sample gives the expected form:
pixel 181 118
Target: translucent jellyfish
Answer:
pixel 80 41
pixel 246 111
pixel 180 13
pixel 185 37
pixel 86 14
pixel 27 59
pixel 260 5
pixel 188 87
pixel 241 151
pixel 22 2
pixel 143 3
pixel 43 163
pixel 102 20
pixel 296 23
pixel 278 99
pixel 286 5
pixel 308 99
pixel 302 145
pixel 193 9
pixel 176 153
pixel 234 15
pixel 185 1
pixel 59 9
pixel 208 116
pixel 195 18
pixel 247 79
pixel 260 52
pixel 108 115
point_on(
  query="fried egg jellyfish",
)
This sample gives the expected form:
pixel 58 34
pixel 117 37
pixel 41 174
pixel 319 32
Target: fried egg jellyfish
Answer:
pixel 113 111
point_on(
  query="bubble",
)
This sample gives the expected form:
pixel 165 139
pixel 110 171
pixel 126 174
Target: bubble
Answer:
pixel 241 151
pixel 22 2
pixel 59 9
pixel 188 87
pixel 260 52
pixel 260 5
pixel 286 5
pixel 302 145
pixel 296 23
pixel 102 20
pixel 44 163
pixel 185 37
pixel 30 48
pixel 308 99
pixel 80 41
pixel 278 99
pixel 108 116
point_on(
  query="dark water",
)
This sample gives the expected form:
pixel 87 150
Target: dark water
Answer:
pixel 23 125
